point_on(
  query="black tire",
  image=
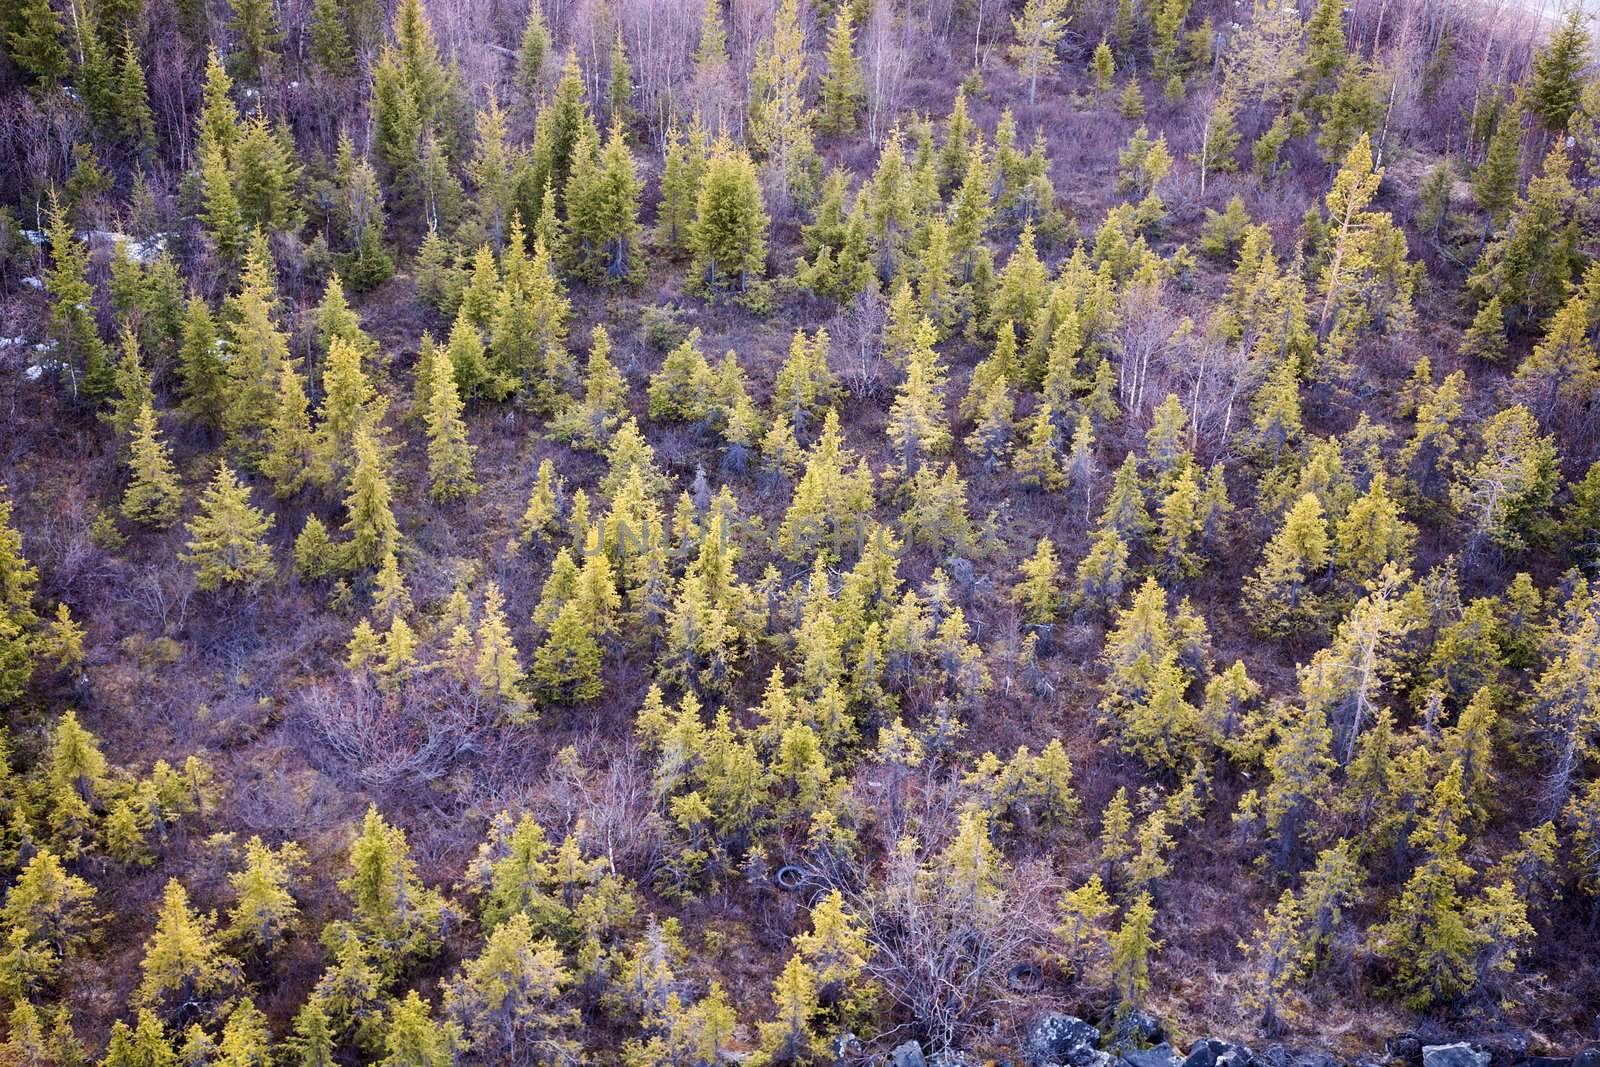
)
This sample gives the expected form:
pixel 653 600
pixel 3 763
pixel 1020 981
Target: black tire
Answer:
pixel 1025 978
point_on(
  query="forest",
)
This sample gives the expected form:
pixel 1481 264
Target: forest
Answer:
pixel 665 533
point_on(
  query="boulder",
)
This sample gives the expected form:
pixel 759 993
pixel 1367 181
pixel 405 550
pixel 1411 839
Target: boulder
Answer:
pixel 907 1055
pixel 1283 1056
pixel 1060 1039
pixel 1214 1052
pixel 1135 1029
pixel 1162 1055
pixel 1459 1054
pixel 1405 1049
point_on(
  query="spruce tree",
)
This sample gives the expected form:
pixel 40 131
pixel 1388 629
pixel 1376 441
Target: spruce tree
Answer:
pixel 496 667
pixel 182 962
pixel 218 123
pixel 153 495
pixel 314 553
pixel 449 453
pixel 394 916
pixel 224 219
pixel 1530 266
pixel 130 386
pixel 1427 938
pixel 1494 186
pixel 789 1038
pixel 729 235
pixel 566 666
pixel 842 87
pixel 1104 68
pixel 681 174
pixel 534 50
pixel 1557 81
pixel 350 405
pixel 509 997
pixel 1039 592
pixel 330 39
pixel 258 348
pixel 263 907
pixel 226 546
pixel 370 522
pixel 619 95
pixel 991 438
pixel 1505 496
pixel 603 212
pixel 1365 277
pixel 290 458
pixel 1326 51
pixel 49 913
pixel 134 121
pixel 72 320
pixel 1037 462
pixel 918 427
pixel 35 44
pixel 1280 594
pixel 412 1038
pixel 1131 947
pixel 255 28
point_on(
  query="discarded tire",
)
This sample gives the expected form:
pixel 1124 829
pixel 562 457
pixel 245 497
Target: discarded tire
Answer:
pixel 1025 978
pixel 789 878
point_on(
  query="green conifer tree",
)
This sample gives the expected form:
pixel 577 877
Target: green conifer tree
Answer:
pixel 842 86
pixel 450 455
pixel 226 546
pixel 153 495
pixel 370 521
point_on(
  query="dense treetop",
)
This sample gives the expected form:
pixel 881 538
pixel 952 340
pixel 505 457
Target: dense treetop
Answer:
pixel 653 532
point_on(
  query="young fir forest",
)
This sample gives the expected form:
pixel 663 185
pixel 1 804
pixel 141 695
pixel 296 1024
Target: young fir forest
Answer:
pixel 797 532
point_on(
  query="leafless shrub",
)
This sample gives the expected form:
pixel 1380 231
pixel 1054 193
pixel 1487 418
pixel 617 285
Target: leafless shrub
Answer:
pixel 884 54
pixel 944 931
pixel 661 36
pixel 162 595
pixel 607 793
pixel 36 139
pixel 384 739
pixel 857 333
pixel 1144 343
pixel 943 960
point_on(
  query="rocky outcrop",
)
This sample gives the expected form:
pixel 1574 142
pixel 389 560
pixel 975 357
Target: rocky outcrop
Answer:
pixel 1212 1052
pixel 1162 1055
pixel 1136 1039
pixel 1062 1040
pixel 1459 1054
pixel 907 1055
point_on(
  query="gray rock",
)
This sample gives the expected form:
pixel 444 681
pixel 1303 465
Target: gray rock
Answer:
pixel 1589 1057
pixel 1282 1056
pixel 1459 1054
pixel 1061 1039
pixel 907 1055
pixel 1135 1029
pixel 1213 1052
pixel 1162 1055
pixel 1405 1049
